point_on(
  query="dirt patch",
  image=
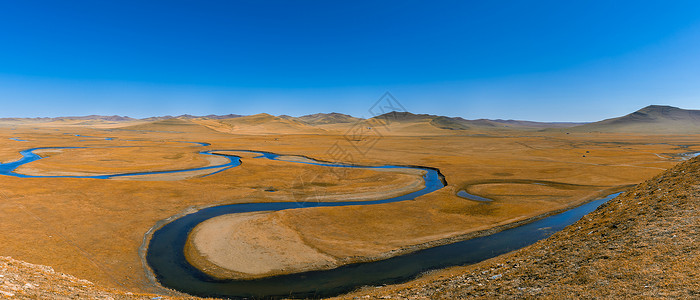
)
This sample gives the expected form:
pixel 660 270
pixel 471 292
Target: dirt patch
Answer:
pixel 251 245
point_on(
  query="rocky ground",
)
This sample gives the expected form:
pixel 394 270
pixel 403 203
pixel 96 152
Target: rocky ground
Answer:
pixel 21 280
pixel 643 244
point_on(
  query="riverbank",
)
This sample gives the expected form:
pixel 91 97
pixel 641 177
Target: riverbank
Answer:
pixel 641 244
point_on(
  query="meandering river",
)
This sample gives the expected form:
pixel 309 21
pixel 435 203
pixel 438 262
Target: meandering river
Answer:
pixel 165 252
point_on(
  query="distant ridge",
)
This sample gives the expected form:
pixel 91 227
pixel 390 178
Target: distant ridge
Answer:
pixel 458 123
pixel 449 123
pixel 114 118
pixel 266 123
pixel 186 116
pixel 538 124
pixel 653 119
pixel 658 119
pixel 170 125
pixel 331 118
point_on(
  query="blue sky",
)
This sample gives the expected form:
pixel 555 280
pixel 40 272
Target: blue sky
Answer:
pixel 533 60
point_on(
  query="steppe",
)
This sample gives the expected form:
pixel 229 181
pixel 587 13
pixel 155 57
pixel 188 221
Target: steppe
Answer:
pixel 95 229
pixel 641 245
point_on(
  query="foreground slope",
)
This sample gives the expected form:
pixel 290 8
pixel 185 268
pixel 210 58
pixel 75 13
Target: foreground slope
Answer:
pixel 651 119
pixel 21 280
pixel 641 244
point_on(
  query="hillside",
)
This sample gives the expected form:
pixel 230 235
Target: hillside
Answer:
pixel 532 124
pixel 186 116
pixel 169 125
pixel 331 118
pixel 21 280
pixel 641 244
pixel 458 123
pixel 264 124
pixel 114 118
pixel 651 119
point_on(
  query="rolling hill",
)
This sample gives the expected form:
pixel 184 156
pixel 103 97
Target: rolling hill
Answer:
pixel 169 125
pixel 331 118
pixel 264 124
pixel 458 123
pixel 654 119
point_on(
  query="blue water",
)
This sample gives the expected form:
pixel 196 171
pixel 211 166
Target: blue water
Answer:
pixel 197 143
pixel 29 156
pixel 18 140
pixel 469 196
pixel 166 248
pixel 692 154
pixel 89 136
pixel 97 137
pixel 166 256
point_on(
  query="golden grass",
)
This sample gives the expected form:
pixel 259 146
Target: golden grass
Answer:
pixel 93 228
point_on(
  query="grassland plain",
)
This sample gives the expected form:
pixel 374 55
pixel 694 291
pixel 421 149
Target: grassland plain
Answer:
pixel 93 228
pixel 642 244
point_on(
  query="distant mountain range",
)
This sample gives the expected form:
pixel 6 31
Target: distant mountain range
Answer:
pixel 658 119
pixel 215 117
pixel 655 119
pixel 116 118
pixel 458 123
pixel 331 118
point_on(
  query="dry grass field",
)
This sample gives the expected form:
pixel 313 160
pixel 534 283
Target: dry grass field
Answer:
pixel 93 228
pixel 640 245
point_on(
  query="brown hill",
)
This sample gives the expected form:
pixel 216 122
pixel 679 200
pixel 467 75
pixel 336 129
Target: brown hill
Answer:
pixel 114 118
pixel 404 116
pixel 88 121
pixel 642 244
pixel 331 118
pixel 406 123
pixel 265 124
pixel 655 119
pixel 532 124
pixel 170 125
pixel 458 123
pixel 450 123
pixel 187 116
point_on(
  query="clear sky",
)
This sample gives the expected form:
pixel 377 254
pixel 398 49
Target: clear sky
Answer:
pixel 534 60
